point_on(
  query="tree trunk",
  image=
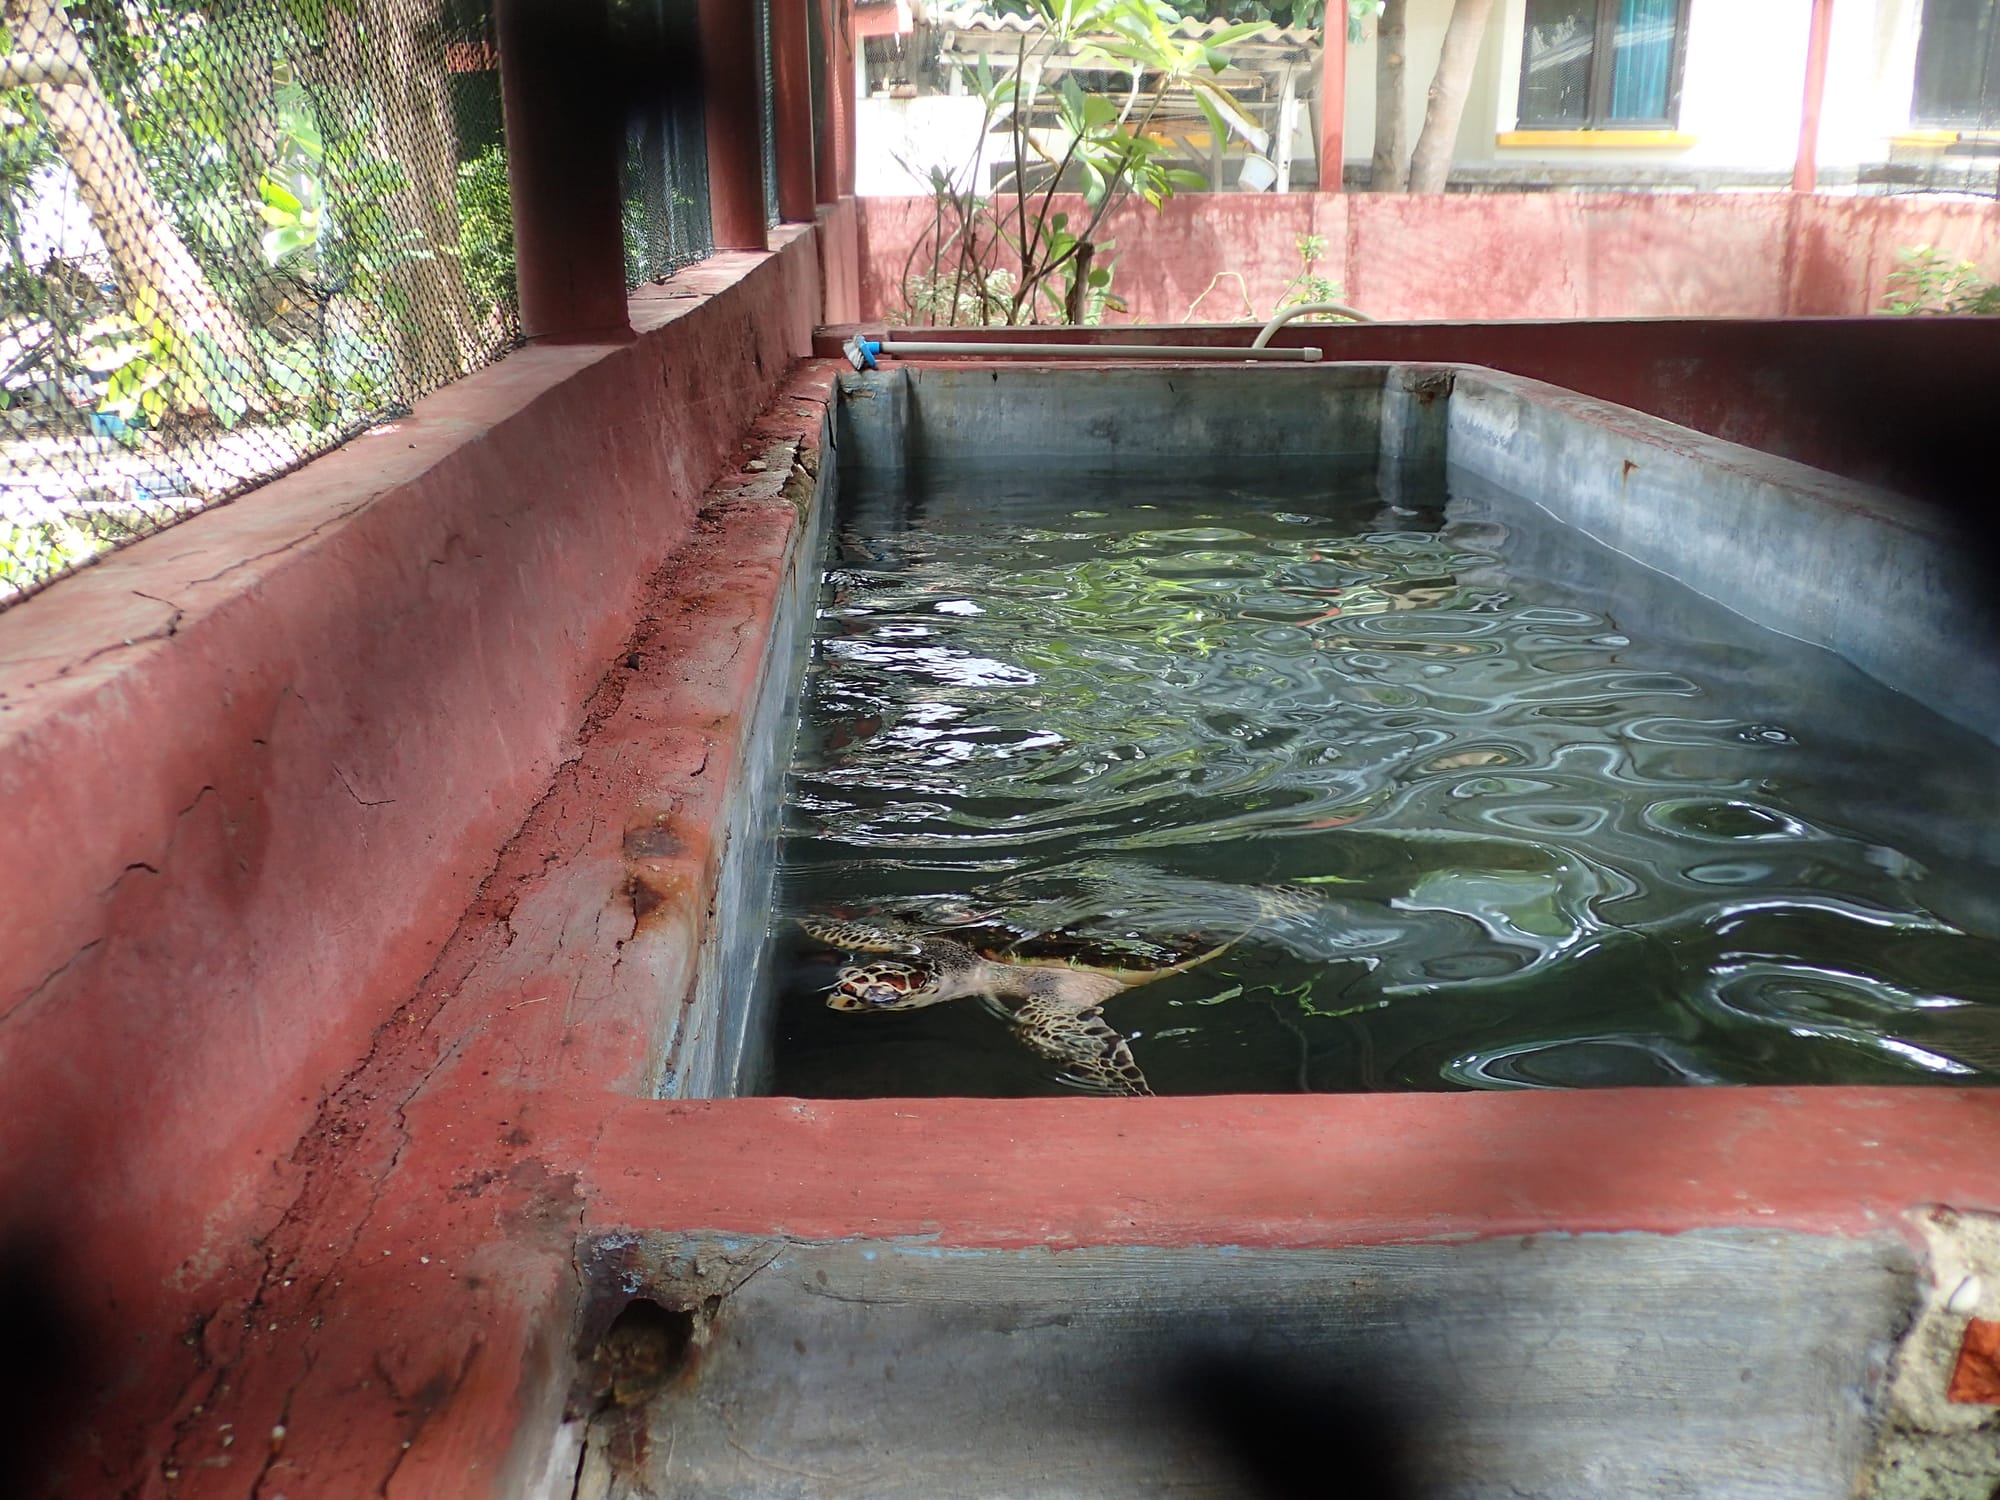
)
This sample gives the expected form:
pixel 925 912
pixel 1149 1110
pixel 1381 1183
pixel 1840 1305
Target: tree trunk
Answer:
pixel 1430 163
pixel 243 72
pixel 384 63
pixel 1390 168
pixel 159 280
pixel 1077 304
pixel 412 91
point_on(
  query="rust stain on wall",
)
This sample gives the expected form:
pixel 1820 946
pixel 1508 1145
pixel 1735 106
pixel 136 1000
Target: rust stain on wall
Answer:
pixel 1975 1379
pixel 652 841
pixel 662 867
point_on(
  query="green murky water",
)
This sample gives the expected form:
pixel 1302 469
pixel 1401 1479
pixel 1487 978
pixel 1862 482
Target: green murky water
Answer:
pixel 1495 807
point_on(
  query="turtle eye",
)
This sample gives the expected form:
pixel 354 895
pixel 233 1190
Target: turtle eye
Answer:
pixel 860 989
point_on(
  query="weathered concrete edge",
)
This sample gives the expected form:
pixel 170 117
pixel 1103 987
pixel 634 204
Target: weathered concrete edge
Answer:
pixel 241 839
pixel 438 1199
pixel 969 1178
pixel 721 1049
pixel 582 1189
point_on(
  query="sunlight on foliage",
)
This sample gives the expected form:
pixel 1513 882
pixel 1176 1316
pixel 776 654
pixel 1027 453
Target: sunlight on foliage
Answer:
pixel 1928 281
pixel 1059 269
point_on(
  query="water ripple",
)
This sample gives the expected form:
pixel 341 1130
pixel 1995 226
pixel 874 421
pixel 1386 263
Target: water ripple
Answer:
pixel 1493 807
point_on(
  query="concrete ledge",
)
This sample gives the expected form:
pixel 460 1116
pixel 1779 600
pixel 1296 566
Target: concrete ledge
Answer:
pixel 480 1271
pixel 1332 1170
pixel 421 1284
pixel 254 768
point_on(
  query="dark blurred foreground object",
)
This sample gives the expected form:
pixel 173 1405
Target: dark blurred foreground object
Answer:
pixel 1294 1432
pixel 47 1360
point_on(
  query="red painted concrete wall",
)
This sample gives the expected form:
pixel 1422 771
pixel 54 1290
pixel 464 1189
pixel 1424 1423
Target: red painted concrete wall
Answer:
pixel 257 767
pixel 1843 249
pixel 839 241
pixel 363 688
pixel 254 768
pixel 1233 257
pixel 416 1312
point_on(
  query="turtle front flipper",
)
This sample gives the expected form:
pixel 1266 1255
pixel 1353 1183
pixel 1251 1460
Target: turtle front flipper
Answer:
pixel 861 937
pixel 1089 1051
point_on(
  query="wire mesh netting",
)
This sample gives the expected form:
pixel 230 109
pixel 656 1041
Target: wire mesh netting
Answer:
pixel 767 112
pixel 667 222
pixel 232 234
pixel 817 67
pixel 1968 167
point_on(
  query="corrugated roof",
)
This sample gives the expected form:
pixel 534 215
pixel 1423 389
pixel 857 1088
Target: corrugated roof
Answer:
pixel 977 18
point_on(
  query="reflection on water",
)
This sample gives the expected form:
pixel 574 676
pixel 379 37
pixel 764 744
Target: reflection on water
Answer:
pixel 1496 807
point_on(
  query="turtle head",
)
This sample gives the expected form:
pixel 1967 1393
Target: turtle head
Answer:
pixel 885 985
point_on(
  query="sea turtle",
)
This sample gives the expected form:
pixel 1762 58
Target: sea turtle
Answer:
pixel 1059 1004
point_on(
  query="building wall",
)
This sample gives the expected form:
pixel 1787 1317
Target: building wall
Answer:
pixel 1742 88
pixel 1742 95
pixel 1871 75
pixel 901 138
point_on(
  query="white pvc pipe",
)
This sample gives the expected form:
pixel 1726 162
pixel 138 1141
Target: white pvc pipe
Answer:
pixel 1098 351
pixel 1264 333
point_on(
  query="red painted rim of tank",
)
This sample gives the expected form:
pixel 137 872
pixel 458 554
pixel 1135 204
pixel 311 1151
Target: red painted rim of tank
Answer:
pixel 1270 1171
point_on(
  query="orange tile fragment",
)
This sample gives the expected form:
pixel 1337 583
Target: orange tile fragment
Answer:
pixel 1975 1379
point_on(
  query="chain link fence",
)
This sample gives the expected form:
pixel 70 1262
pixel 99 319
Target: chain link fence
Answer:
pixel 767 113
pixel 819 69
pixel 233 233
pixel 667 222
pixel 1968 169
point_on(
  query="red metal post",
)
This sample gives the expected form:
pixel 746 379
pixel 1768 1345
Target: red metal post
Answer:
pixel 562 170
pixel 731 88
pixel 1805 171
pixel 791 78
pixel 834 174
pixel 845 43
pixel 826 96
pixel 1333 98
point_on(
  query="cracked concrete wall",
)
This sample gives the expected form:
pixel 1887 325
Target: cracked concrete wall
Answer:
pixel 253 769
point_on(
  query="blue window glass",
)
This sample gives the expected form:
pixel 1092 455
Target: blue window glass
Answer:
pixel 1958 65
pixel 1588 64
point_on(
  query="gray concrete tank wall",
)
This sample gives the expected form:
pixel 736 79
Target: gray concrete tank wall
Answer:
pixel 1717 1364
